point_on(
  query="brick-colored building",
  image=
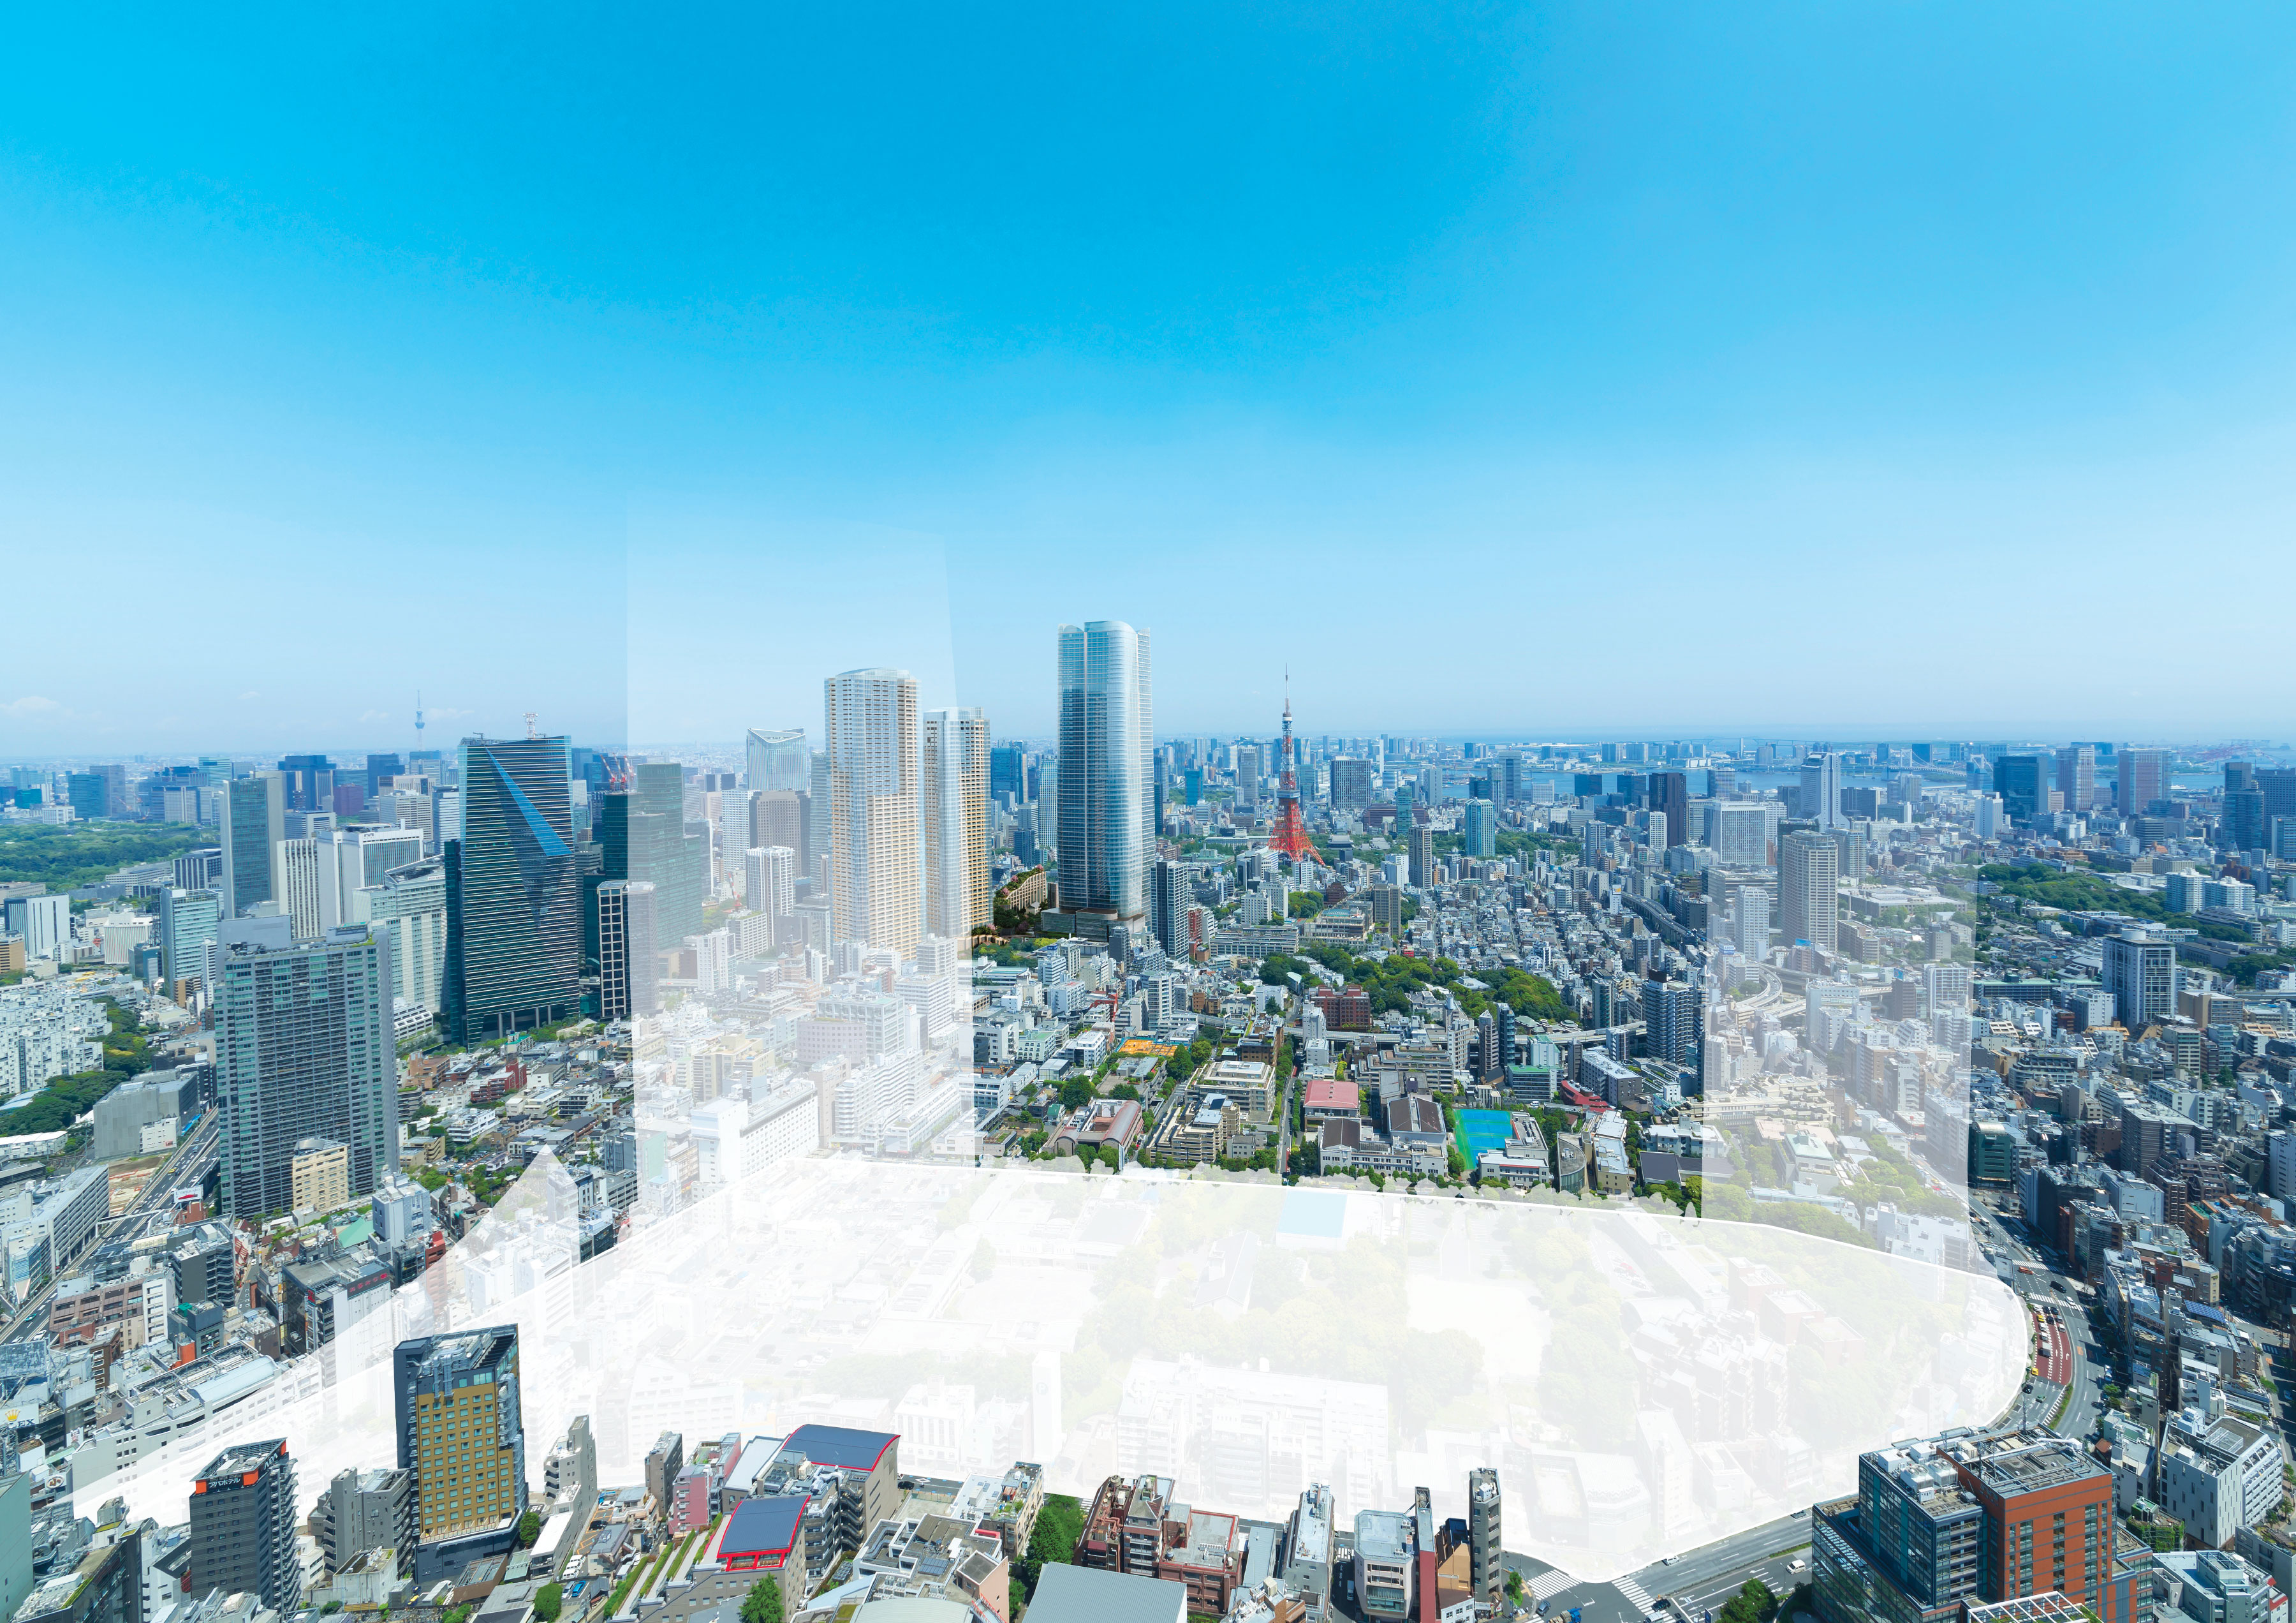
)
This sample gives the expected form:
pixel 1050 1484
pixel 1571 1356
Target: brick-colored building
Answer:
pixel 1137 1528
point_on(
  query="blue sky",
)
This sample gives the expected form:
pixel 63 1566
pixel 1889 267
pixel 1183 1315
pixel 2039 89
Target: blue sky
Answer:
pixel 1904 369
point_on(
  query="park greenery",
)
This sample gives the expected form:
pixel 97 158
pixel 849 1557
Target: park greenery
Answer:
pixel 2076 893
pixel 1391 981
pixel 1520 842
pixel 65 857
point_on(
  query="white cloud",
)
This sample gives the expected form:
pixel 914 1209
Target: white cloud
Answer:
pixel 374 715
pixel 250 694
pixel 32 704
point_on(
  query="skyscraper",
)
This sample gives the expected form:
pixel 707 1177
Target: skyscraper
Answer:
pixel 956 780
pixel 2140 777
pixel 352 859
pixel 2140 975
pixel 779 760
pixel 254 825
pixel 869 720
pixel 242 1527
pixel 1351 785
pixel 2077 776
pixel 304 1050
pixel 1250 765
pixel 461 1431
pixel 188 921
pixel 1669 796
pixel 1481 838
pixel 1808 901
pixel 1107 835
pixel 777 817
pixel 299 869
pixel 2017 780
pixel 309 781
pixel 642 833
pixel 628 983
pixel 770 879
pixel 1167 907
pixel 1738 832
pixel 2242 828
pixel 1008 776
pixel 513 920
pixel 1821 789
pixel 1421 844
pixel 408 908
pixel 1674 1019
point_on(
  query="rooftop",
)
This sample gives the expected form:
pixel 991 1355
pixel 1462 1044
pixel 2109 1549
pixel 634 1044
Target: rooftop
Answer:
pixel 1383 1535
pixel 1087 1595
pixel 239 1460
pixel 763 1527
pixel 840 1446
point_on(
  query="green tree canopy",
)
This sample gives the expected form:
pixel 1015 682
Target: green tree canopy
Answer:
pixel 763 1604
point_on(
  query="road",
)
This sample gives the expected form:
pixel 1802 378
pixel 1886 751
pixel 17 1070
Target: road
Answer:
pixel 2081 1367
pixel 1699 1580
pixel 188 1165
pixel 1284 1121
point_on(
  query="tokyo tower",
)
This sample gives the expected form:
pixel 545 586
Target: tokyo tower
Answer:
pixel 1291 836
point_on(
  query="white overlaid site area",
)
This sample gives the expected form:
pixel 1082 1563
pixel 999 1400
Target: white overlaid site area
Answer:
pixel 1642 1384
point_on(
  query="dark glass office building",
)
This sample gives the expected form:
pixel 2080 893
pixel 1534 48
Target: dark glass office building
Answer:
pixel 2017 780
pixel 514 911
pixel 641 831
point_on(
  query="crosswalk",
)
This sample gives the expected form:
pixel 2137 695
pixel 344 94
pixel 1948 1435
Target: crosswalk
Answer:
pixel 1547 1584
pixel 1550 1583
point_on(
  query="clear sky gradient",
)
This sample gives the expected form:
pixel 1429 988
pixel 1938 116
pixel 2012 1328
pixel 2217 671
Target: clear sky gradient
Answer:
pixel 1896 370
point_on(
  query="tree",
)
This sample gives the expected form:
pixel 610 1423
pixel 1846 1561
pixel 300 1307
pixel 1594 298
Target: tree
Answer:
pixel 1059 1525
pixel 529 1529
pixel 1756 1602
pixel 548 1600
pixel 1076 1092
pixel 763 1604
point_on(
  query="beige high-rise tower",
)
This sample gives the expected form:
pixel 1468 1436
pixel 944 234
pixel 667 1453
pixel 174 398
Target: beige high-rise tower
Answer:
pixel 869 720
pixel 955 774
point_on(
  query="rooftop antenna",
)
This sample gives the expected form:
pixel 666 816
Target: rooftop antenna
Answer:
pixel 532 731
pixel 418 721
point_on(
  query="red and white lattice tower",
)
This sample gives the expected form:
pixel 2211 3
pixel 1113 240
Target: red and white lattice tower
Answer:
pixel 1291 836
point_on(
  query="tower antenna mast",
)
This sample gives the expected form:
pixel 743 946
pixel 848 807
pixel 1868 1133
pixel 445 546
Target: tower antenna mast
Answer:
pixel 1291 836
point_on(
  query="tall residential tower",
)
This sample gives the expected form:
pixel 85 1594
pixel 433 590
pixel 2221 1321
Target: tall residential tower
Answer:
pixel 1107 831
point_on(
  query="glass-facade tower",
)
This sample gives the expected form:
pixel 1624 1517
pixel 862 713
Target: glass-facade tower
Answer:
pixel 641 831
pixel 1107 834
pixel 513 921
